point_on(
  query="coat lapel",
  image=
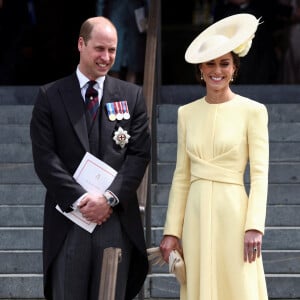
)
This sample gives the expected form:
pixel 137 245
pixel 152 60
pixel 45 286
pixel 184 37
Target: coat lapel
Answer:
pixel 74 104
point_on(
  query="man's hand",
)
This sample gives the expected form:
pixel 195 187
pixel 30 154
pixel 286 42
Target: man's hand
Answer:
pixel 95 209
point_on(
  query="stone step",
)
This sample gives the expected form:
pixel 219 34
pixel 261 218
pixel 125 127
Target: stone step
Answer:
pixel 15 114
pixel 18 173
pixel 268 94
pixel 33 194
pixel 166 152
pixel 282 113
pixel 23 173
pixel 30 262
pixel 15 133
pixel 278 132
pixel 21 215
pixel 284 132
pixel 20 268
pixel 32 215
pixel 278 172
pixel 21 262
pixel 22 194
pixel 275 262
pixel 284 286
pixel 280 194
pixel 15 153
pixel 25 238
pixel 279 151
pixel 277 215
pixel 275 238
pixel 173 94
pixel 29 286
pixel 281 262
pixel 166 113
pixel 21 286
pixel 18 95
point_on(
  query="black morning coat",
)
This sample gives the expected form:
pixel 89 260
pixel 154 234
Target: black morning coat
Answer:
pixel 59 137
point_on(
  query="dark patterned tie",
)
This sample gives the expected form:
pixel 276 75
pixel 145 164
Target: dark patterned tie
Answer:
pixel 91 99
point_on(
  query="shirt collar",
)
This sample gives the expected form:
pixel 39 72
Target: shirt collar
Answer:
pixel 83 80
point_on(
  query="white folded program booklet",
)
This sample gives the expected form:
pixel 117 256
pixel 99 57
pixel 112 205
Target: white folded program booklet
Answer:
pixel 95 176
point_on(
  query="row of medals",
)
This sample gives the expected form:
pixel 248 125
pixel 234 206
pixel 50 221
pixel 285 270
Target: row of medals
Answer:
pixel 117 110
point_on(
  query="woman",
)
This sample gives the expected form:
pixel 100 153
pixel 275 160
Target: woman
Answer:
pixel 210 218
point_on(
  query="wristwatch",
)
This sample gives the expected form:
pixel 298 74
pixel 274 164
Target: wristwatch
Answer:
pixel 111 200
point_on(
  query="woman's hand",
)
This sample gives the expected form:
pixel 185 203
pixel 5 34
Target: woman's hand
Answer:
pixel 169 243
pixel 252 245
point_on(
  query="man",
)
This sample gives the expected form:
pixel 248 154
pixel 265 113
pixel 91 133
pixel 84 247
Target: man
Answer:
pixel 62 131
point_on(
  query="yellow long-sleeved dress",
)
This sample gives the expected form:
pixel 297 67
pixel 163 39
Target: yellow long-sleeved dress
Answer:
pixel 208 204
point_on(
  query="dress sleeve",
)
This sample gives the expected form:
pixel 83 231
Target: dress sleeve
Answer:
pixel 180 183
pixel 258 143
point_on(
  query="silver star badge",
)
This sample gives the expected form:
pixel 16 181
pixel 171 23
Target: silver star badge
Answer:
pixel 121 137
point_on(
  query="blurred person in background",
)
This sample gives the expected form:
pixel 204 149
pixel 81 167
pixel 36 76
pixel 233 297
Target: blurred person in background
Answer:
pixel 129 16
pixel 290 67
pixel 18 29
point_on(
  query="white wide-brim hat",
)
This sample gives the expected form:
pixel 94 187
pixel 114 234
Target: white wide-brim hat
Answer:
pixel 234 33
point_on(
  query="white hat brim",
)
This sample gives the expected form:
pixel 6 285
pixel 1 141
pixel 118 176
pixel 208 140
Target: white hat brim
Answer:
pixel 221 37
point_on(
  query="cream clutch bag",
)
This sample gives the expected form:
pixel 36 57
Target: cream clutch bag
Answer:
pixel 177 266
pixel 176 262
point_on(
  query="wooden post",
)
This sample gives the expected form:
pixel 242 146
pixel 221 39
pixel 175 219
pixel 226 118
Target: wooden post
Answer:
pixel 111 258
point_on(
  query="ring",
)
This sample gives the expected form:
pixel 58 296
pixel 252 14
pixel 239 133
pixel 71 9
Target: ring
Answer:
pixel 254 249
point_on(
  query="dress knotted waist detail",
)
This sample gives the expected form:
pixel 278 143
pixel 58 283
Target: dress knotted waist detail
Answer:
pixel 202 169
